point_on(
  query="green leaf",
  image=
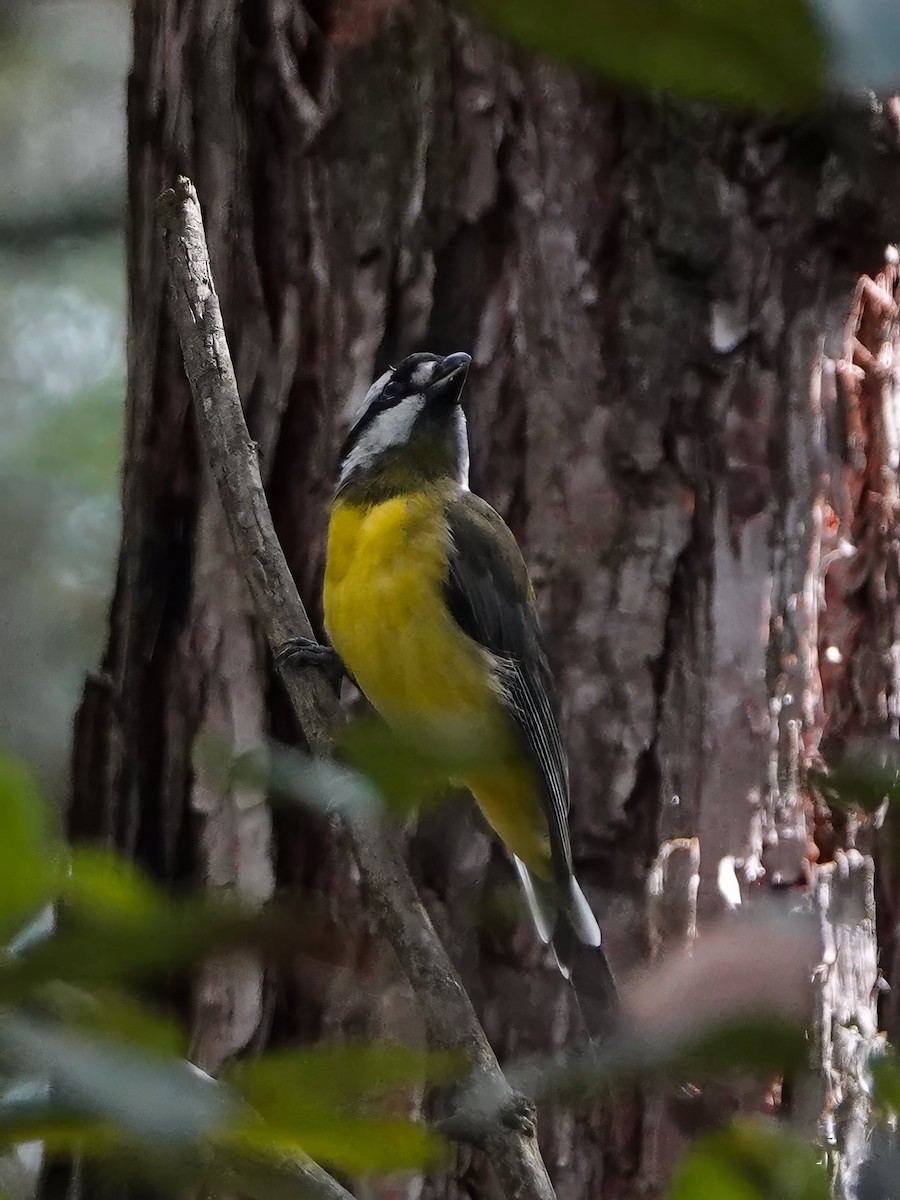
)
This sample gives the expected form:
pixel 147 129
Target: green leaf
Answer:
pixel 405 777
pixel 97 949
pixel 375 771
pixel 39 928
pixel 268 1176
pixel 26 850
pixel 105 885
pixel 60 1129
pixel 768 54
pixel 354 1145
pixel 287 773
pixel 156 1098
pixel 866 776
pixel 347 1077
pixel 751 1160
pixel 765 1045
pixel 108 1012
pixel 704 1175
pixel 340 1103
pixel 886 1081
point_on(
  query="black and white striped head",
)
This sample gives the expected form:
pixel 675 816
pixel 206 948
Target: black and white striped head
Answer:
pixel 411 425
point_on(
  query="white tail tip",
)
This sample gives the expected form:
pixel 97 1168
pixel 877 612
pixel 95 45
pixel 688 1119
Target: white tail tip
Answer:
pixel 583 920
pixel 544 921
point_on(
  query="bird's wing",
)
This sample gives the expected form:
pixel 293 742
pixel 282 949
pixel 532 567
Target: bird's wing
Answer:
pixel 490 597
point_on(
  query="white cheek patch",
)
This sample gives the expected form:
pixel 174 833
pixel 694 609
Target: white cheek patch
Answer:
pixel 423 373
pixel 390 428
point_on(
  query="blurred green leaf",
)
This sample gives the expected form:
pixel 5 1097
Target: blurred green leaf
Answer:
pixel 116 926
pixel 768 54
pixel 375 771
pixel 267 1176
pixel 108 1012
pixel 339 1104
pixel 704 1175
pixel 107 886
pixel 38 929
pixel 766 1045
pixel 886 1081
pixel 353 1144
pixel 866 776
pixel 751 1160
pixel 60 1129
pixel 403 776
pixel 156 1098
pixel 349 1077
pixel 26 855
pixel 284 772
pixel 81 442
pixel 94 948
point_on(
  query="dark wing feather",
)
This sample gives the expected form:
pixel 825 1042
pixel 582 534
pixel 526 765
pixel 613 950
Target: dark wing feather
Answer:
pixel 490 597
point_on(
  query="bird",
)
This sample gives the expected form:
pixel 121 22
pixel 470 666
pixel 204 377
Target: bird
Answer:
pixel 429 609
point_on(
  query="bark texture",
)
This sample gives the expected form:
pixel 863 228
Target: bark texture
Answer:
pixel 653 296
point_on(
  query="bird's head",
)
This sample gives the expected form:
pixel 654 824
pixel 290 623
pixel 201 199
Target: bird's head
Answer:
pixel 410 429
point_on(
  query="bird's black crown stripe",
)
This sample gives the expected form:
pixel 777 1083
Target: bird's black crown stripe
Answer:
pixel 398 387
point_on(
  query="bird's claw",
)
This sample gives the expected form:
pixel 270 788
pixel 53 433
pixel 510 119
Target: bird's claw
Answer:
pixel 520 1115
pixel 311 654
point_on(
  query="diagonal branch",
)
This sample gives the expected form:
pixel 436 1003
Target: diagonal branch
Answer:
pixel 451 1019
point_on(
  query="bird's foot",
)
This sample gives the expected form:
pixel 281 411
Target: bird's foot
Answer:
pixel 311 654
pixel 520 1115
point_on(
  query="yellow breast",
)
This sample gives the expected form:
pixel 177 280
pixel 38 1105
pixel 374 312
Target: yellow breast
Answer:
pixel 386 616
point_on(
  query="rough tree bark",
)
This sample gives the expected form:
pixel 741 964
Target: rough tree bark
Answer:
pixel 652 295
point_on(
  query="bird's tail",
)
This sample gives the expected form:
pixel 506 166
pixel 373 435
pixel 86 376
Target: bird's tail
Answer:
pixel 564 921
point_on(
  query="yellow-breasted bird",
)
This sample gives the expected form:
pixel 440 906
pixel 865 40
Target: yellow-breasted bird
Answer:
pixel 429 606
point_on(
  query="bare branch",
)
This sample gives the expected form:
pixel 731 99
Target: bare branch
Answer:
pixel 232 456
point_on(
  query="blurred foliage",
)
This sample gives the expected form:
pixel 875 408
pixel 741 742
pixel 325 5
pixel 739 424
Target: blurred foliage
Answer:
pixel 62 356
pixel 405 779
pixel 107 1072
pixel 778 56
pixel 62 365
pixel 25 863
pixel 886 1083
pixel 768 54
pixel 751 1160
pixel 62 115
pixel 87 1065
pixel 374 772
pixel 865 775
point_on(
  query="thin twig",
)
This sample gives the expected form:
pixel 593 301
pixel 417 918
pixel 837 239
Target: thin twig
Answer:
pixel 451 1019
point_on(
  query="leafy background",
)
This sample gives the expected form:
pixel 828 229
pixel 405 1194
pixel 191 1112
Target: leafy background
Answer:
pixel 62 357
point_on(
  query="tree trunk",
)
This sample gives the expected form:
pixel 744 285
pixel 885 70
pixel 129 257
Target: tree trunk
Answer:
pixel 649 292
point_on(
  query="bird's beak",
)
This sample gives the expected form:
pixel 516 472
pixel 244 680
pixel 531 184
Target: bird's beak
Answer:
pixel 446 383
pixel 454 366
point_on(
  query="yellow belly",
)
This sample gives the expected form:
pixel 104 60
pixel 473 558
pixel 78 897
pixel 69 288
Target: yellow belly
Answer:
pixel 386 616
